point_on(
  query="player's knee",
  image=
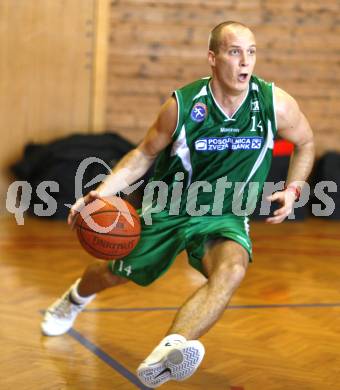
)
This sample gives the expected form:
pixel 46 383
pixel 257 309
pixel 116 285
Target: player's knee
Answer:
pixel 229 275
pixel 237 273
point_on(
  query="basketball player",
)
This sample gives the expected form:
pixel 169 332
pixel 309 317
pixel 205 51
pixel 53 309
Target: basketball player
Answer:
pixel 215 129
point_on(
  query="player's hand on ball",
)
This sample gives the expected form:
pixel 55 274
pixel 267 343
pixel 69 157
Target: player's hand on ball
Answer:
pixel 286 199
pixel 79 205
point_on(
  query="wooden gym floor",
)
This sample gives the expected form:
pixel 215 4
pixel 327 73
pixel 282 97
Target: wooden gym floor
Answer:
pixel 282 330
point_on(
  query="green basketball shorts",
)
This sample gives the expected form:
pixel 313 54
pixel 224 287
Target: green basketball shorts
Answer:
pixel 169 235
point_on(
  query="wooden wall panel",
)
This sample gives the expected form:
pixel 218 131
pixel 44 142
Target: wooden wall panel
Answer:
pixel 156 46
pixel 47 73
pixel 99 71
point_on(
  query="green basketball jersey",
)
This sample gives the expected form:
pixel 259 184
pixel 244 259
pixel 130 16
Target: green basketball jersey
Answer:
pixel 217 163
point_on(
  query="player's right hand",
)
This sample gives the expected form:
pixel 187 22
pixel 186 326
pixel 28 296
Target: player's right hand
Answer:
pixel 79 205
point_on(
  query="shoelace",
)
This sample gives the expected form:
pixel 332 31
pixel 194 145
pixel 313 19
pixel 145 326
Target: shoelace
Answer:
pixel 157 353
pixel 64 308
pixel 173 343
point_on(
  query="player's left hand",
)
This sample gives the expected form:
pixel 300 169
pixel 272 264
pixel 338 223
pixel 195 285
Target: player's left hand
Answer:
pixel 286 199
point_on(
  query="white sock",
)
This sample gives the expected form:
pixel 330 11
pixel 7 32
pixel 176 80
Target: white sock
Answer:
pixel 76 297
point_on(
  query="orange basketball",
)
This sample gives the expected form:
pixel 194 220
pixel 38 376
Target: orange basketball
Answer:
pixel 108 230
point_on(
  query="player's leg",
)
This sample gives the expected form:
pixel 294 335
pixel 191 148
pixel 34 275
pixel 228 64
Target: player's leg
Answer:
pixel 150 254
pixel 98 277
pixel 60 316
pixel 225 264
pixel 179 354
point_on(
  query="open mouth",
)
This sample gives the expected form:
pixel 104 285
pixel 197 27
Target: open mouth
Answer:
pixel 242 77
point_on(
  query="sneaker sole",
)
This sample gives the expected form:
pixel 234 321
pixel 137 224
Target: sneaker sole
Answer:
pixel 47 331
pixel 181 361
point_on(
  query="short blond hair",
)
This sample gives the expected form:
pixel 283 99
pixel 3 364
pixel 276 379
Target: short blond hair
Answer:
pixel 215 34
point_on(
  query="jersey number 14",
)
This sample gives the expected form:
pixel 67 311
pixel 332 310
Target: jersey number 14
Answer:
pixel 256 127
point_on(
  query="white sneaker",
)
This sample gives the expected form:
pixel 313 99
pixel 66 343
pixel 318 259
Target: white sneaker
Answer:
pixel 171 360
pixel 60 316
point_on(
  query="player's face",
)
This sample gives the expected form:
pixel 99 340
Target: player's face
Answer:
pixel 234 63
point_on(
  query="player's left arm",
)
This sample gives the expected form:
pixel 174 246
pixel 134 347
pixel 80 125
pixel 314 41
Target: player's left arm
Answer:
pixel 294 127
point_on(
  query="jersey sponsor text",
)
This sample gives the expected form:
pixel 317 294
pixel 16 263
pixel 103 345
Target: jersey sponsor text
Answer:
pixel 218 144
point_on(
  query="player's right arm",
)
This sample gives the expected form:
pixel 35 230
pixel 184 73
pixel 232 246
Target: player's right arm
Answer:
pixel 137 162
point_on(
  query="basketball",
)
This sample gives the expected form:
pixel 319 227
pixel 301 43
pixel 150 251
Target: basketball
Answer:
pixel 108 230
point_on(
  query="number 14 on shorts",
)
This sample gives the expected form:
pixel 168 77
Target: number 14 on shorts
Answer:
pixel 127 269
